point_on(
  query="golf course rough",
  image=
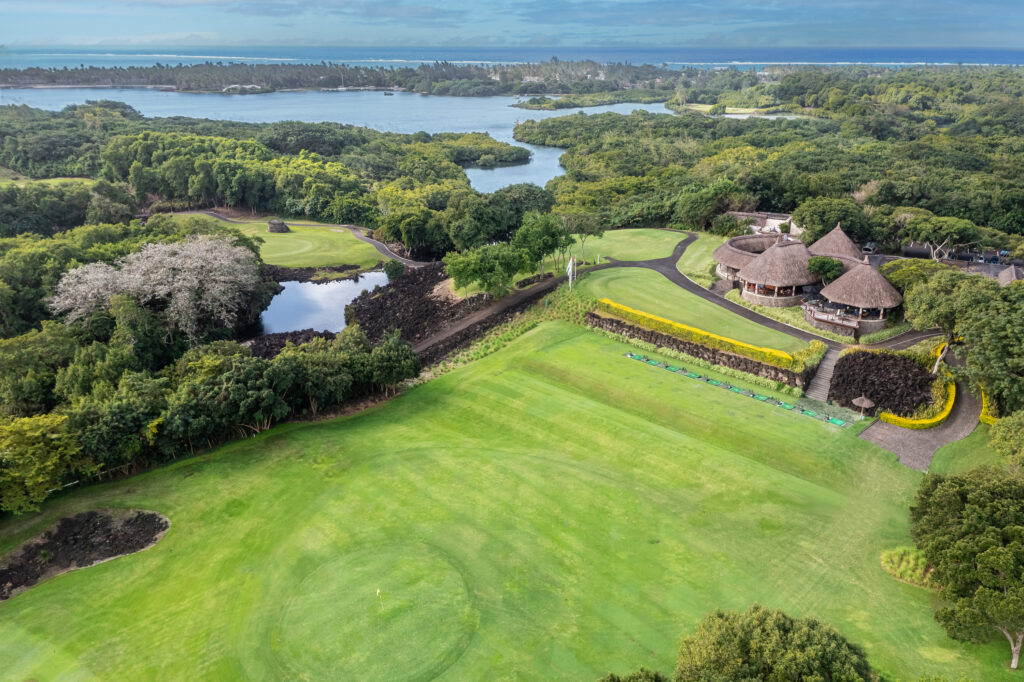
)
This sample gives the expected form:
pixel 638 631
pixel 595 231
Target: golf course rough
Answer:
pixel 551 511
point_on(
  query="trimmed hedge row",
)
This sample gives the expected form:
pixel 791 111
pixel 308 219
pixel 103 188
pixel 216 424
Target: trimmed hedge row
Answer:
pixel 769 356
pixel 929 422
pixel 986 410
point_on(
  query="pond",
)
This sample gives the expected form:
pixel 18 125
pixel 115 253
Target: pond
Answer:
pixel 316 305
pixel 405 112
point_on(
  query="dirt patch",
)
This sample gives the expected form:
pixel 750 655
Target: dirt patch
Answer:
pixel 79 541
pixel 443 292
pixel 411 305
pixel 278 273
pixel 895 383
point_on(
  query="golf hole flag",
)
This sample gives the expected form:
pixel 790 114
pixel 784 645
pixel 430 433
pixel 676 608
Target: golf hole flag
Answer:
pixel 570 271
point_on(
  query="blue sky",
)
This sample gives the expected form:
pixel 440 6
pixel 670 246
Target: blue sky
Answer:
pixel 633 23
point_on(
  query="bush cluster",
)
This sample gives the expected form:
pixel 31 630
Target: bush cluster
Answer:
pixel 114 413
pixel 908 564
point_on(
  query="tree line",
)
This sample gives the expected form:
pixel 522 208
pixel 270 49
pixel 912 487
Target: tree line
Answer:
pixel 437 78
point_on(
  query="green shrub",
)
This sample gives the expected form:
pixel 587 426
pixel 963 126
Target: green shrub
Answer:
pixel 909 565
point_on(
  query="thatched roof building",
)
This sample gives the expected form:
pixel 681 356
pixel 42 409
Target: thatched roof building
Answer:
pixel 863 287
pixel 837 245
pixel 782 265
pixel 739 251
pixel 1010 275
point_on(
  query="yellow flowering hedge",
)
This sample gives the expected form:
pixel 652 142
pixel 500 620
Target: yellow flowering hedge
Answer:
pixel 769 356
pixel 928 422
pixel 986 410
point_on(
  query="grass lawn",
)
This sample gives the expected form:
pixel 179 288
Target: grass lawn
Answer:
pixel 697 263
pixel 642 244
pixel 648 291
pixel 965 454
pixel 553 511
pixel 9 177
pixel 705 108
pixel 308 246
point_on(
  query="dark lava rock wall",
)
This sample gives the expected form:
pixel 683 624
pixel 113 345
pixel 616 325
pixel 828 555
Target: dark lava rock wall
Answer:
pixel 895 383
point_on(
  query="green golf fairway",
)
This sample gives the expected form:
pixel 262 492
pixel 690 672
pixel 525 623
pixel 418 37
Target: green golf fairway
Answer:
pixel 552 511
pixel 650 292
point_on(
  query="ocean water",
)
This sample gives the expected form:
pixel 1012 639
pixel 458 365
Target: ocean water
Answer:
pixel 71 56
pixel 404 112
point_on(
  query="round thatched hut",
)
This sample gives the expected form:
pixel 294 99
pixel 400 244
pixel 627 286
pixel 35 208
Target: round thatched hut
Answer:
pixel 778 276
pixel 857 302
pixel 738 251
pixel 277 226
pixel 837 245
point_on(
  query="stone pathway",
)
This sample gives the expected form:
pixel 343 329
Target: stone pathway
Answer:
pixel 916 448
pixel 822 381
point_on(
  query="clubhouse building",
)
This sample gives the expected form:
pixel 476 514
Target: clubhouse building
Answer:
pixel 771 270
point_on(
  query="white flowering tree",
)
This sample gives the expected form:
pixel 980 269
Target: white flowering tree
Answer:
pixel 192 286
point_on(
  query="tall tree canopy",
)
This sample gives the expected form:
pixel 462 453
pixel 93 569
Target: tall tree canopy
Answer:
pixel 765 644
pixel 971 529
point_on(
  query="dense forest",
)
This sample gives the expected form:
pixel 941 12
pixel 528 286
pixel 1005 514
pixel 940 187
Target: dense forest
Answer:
pixel 646 169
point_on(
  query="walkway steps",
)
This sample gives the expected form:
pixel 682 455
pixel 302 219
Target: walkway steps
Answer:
pixel 823 377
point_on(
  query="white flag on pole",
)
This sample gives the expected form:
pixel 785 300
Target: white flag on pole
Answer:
pixel 568 273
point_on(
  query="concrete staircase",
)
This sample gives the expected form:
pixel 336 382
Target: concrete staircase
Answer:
pixel 823 377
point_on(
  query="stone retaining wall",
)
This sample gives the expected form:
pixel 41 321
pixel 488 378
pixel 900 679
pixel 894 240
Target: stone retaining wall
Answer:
pixel 772 301
pixel 712 355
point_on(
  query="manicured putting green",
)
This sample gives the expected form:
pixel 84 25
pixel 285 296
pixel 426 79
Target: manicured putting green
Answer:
pixel 631 244
pixel 552 511
pixel 650 292
pixel 373 601
pixel 310 246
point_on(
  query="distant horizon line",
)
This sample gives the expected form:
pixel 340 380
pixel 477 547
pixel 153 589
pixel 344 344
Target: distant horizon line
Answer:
pixel 145 46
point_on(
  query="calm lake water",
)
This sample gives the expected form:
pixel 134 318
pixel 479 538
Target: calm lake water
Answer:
pixel 402 113
pixel 321 307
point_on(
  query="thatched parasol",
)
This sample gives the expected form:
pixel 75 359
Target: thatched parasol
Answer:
pixel 864 403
